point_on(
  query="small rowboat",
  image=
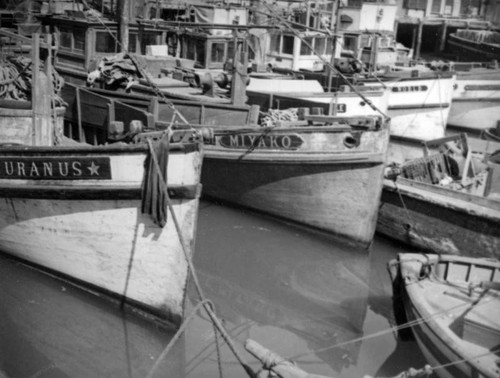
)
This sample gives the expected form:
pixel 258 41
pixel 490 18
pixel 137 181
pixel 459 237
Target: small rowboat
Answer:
pixel 452 304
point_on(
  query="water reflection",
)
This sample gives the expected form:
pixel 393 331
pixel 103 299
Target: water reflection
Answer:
pixel 297 293
pixel 264 275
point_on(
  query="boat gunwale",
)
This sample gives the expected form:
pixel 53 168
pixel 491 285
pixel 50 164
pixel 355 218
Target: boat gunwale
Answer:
pixel 473 204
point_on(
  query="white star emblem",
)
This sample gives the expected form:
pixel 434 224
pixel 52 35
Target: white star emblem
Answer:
pixel 94 169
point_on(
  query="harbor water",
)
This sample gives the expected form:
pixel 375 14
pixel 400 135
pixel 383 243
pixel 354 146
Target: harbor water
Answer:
pixel 324 305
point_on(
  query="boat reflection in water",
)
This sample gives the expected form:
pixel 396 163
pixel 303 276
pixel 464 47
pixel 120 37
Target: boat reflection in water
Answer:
pixel 297 293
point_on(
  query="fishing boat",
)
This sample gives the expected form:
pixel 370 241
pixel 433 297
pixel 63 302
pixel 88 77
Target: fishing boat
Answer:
pixel 475 44
pixel 115 210
pixel 446 201
pixel 323 172
pixel 452 304
pixel 419 102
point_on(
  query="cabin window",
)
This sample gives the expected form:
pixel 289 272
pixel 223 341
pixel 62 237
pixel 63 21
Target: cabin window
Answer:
pixel 384 42
pixel 132 42
pixel 275 43
pixel 320 45
pixel 79 39
pixel 65 38
pixel 72 38
pixel 147 39
pixel 288 44
pixel 190 50
pixel 218 50
pixel 200 53
pixel 415 4
pixel 329 46
pixel 105 42
pixel 349 43
pixel 365 41
pixel 304 46
pixel 230 50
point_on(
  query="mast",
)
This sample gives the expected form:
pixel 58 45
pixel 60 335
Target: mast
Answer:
pixel 335 23
pixel 123 22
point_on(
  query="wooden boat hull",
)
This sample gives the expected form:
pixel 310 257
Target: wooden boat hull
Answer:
pixel 476 100
pixel 438 219
pixel 319 183
pixel 438 309
pixel 77 212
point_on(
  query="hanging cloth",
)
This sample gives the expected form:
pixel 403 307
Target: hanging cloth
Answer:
pixel 155 196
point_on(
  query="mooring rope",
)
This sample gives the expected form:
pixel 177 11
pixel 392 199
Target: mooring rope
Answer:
pixel 177 335
pixel 411 222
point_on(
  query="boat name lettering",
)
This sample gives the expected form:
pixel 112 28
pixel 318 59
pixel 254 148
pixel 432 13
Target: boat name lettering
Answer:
pixel 54 168
pixel 341 108
pixel 411 88
pixel 261 141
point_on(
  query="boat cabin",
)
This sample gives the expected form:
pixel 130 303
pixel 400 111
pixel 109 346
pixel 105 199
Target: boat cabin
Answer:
pixel 82 43
pixel 289 51
pixel 374 49
pixel 206 50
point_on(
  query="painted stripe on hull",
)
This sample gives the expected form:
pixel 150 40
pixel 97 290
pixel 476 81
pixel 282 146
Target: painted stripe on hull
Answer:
pixel 92 193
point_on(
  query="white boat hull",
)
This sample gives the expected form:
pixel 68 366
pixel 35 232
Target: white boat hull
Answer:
pixel 476 101
pixel 93 230
pixel 418 107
